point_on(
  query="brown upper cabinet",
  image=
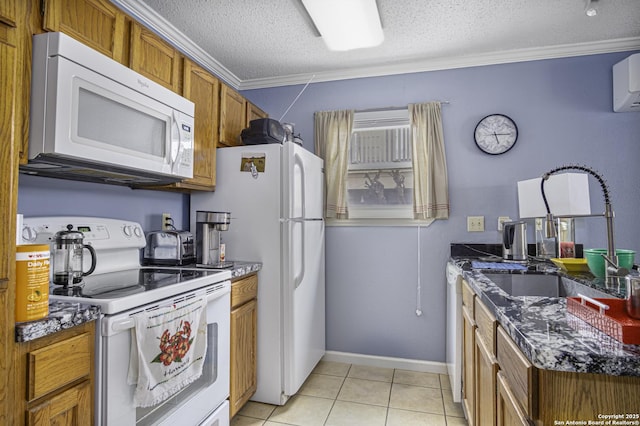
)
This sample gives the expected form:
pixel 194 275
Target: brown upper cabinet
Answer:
pixel 8 84
pixel 233 116
pixel 253 113
pixel 154 58
pixel 96 23
pixel 11 12
pixel 8 12
pixel 203 89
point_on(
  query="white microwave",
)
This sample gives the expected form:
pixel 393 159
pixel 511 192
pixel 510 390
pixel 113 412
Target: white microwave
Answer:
pixel 94 119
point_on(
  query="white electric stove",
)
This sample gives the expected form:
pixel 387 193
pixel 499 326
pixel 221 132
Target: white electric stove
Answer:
pixel 121 287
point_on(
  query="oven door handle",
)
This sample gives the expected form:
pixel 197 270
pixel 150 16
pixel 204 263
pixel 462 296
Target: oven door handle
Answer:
pixel 129 323
pixel 124 324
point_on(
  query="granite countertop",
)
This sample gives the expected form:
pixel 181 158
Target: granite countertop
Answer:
pixel 62 315
pixel 242 268
pixel 549 336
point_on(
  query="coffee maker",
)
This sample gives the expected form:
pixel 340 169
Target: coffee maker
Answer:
pixel 514 241
pixel 209 253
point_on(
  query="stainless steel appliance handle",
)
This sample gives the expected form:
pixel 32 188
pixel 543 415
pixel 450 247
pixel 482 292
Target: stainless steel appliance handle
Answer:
pixel 508 234
pixel 129 323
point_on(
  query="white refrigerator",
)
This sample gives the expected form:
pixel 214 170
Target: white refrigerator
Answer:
pixel 275 195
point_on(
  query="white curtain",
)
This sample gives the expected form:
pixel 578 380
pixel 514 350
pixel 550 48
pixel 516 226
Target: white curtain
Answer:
pixel 430 182
pixel 332 135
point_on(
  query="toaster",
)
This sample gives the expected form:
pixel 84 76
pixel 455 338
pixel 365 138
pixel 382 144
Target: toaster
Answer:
pixel 173 248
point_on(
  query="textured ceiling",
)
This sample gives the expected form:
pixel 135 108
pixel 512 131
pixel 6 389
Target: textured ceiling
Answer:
pixel 259 43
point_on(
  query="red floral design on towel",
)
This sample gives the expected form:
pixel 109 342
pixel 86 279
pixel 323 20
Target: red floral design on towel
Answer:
pixel 174 347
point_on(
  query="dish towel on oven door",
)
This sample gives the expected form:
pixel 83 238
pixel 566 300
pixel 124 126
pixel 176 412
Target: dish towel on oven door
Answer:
pixel 169 350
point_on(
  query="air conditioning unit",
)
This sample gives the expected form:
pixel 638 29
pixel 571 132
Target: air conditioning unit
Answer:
pixel 626 84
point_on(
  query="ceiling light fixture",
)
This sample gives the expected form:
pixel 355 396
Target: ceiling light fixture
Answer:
pixel 346 24
pixel 591 8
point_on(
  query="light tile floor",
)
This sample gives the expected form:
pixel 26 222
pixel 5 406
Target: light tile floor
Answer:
pixel 338 394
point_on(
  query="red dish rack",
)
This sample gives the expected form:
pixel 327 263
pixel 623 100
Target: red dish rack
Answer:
pixel 608 316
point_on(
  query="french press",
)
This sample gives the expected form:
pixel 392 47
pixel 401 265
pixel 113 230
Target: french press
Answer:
pixel 68 257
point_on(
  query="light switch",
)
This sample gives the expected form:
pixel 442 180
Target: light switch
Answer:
pixel 475 223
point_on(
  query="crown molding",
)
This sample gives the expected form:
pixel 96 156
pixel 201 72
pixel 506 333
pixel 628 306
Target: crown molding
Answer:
pixel 158 24
pixel 151 19
pixel 438 64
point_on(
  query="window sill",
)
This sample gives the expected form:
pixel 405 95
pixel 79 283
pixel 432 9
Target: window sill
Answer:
pixel 378 222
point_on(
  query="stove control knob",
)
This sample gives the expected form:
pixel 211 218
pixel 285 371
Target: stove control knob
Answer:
pixel 29 234
pixel 137 232
pixel 127 230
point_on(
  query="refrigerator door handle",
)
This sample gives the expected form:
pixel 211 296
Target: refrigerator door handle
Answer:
pixel 298 162
pixel 298 278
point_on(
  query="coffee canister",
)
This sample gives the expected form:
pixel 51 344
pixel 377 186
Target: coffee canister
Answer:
pixel 32 282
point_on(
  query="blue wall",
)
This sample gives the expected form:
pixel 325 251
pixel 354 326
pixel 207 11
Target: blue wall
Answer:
pixel 39 196
pixel 563 111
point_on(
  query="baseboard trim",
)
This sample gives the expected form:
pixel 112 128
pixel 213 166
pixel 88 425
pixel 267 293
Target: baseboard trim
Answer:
pixel 386 362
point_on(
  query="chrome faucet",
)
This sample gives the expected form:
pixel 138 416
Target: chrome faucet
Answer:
pixel 613 270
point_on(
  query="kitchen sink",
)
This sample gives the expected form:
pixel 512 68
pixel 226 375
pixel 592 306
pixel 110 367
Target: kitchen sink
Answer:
pixel 527 284
pixel 542 285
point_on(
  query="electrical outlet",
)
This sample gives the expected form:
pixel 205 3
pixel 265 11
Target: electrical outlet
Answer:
pixel 167 222
pixel 475 223
pixel 538 224
pixel 502 220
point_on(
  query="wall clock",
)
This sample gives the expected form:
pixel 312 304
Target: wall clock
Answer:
pixel 496 134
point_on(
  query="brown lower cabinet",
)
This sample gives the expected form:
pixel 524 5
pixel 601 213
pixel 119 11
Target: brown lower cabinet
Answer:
pixel 468 367
pixel 485 365
pixel 485 386
pixel 244 340
pixel 508 410
pixel 501 386
pixel 55 378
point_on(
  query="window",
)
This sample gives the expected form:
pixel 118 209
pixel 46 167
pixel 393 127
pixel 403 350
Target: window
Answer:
pixel 380 170
pixel 369 169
